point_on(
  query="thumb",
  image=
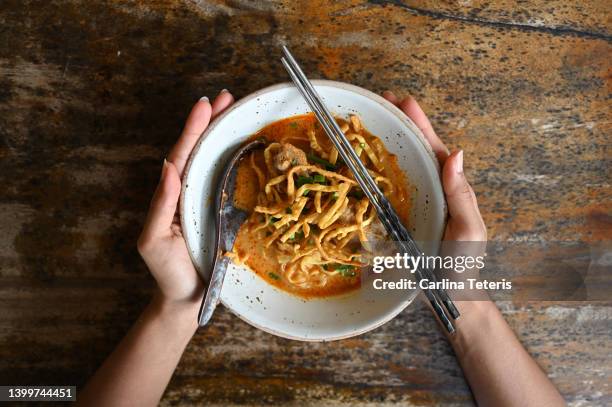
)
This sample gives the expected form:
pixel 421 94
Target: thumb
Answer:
pixel 164 203
pixel 465 221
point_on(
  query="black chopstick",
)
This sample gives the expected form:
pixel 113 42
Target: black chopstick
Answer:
pixel 386 213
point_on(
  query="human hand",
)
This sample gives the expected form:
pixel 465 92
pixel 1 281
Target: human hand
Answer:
pixel 161 243
pixel 481 330
pixel 465 222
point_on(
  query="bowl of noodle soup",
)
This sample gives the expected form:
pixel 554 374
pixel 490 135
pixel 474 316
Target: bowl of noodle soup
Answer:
pixel 298 259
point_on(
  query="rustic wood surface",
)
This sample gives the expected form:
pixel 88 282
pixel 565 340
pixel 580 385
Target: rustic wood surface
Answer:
pixel 92 95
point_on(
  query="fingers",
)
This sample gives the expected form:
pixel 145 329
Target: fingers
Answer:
pixel 196 123
pixel 465 221
pixel 390 96
pixel 412 109
pixel 223 100
pixel 165 199
pixel 194 127
pixel 163 206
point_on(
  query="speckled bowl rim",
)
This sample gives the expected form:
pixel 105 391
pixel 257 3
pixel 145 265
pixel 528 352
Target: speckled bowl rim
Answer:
pixel 317 82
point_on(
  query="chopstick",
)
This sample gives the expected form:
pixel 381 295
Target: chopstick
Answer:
pixel 385 211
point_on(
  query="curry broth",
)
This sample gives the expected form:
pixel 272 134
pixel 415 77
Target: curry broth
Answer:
pixel 264 261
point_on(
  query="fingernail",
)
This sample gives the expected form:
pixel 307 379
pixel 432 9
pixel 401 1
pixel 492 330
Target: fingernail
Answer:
pixel 223 91
pixel 204 99
pixel 164 169
pixel 459 162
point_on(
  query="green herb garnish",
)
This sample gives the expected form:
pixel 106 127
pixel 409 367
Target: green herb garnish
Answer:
pixel 356 193
pixel 301 180
pixel 293 125
pixel 319 160
pixel 306 191
pixel 319 179
pixel 288 210
pixel 273 276
pixel 296 235
pixel 346 270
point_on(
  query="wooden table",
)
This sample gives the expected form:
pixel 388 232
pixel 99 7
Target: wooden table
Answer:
pixel 92 94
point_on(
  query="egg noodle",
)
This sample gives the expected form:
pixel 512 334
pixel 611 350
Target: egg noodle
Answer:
pixel 310 209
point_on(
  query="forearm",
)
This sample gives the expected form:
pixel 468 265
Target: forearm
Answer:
pixel 497 367
pixel 139 369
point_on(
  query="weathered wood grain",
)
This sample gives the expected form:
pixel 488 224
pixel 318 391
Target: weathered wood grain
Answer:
pixel 92 95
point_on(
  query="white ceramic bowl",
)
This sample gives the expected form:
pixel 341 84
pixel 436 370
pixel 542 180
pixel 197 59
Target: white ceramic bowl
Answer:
pixel 246 294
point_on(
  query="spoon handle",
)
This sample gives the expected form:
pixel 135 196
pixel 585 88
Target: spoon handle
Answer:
pixel 214 290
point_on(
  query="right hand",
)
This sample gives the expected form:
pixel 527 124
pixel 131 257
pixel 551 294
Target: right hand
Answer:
pixel 465 222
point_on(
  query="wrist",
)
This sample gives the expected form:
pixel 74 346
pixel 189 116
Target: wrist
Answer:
pixel 475 323
pixel 180 315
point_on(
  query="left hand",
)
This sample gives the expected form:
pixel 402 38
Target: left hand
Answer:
pixel 161 243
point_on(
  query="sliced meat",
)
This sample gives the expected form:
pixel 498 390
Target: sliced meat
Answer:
pixel 348 216
pixel 376 231
pixel 289 156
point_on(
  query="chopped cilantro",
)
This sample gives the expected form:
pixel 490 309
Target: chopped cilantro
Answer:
pixel 293 125
pixel 273 276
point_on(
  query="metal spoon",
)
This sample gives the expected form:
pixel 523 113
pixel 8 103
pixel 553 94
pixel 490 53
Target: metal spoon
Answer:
pixel 227 222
